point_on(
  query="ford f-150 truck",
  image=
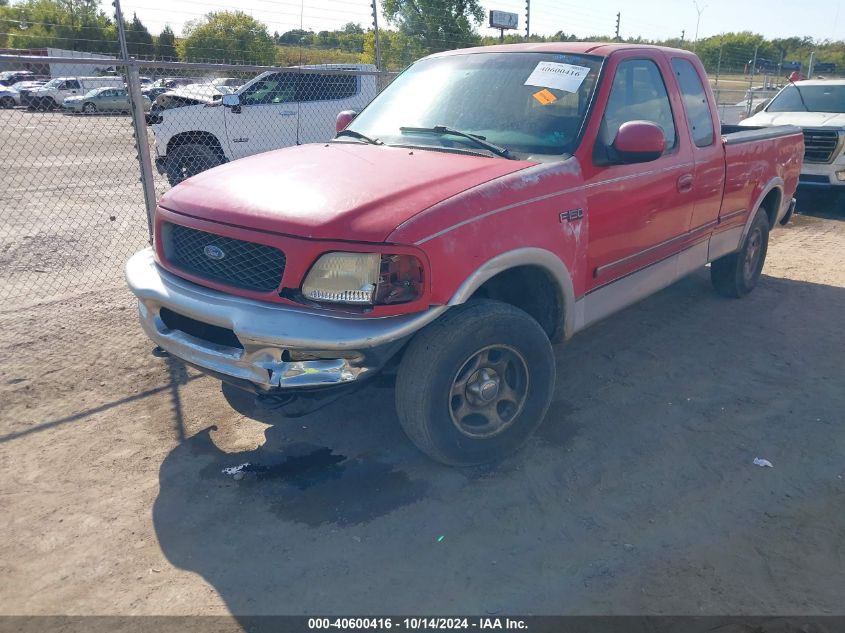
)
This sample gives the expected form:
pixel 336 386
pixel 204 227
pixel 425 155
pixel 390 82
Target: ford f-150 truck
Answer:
pixel 488 203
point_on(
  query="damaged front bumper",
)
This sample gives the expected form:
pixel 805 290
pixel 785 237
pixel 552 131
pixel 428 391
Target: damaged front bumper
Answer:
pixel 274 347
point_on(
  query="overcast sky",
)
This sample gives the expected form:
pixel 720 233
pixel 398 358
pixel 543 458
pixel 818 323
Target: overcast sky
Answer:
pixel 650 18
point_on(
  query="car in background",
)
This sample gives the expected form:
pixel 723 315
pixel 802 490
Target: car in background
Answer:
pixel 103 100
pixel 275 109
pixel 10 77
pixel 52 94
pixel 164 84
pixel 824 67
pixel 818 107
pixel 10 96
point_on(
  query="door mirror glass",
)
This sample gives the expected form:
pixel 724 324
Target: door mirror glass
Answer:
pixel 231 101
pixel 639 142
pixel 344 119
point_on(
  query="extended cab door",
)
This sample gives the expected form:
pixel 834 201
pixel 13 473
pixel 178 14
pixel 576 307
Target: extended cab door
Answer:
pixel 707 151
pixel 266 118
pixel 637 213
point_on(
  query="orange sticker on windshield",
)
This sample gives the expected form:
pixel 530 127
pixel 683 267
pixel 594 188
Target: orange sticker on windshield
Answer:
pixel 544 96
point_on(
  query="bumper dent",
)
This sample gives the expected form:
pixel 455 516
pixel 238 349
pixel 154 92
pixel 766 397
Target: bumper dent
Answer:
pixel 344 348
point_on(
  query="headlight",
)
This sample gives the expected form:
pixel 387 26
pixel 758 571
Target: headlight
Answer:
pixel 364 278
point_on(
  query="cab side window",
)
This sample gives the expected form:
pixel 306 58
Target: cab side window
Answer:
pixel 276 88
pixel 695 102
pixel 71 84
pixel 638 93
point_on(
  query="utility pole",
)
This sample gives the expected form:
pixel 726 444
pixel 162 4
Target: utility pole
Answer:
pixel 682 36
pixel 618 19
pixel 527 19
pixel 374 5
pixel 699 11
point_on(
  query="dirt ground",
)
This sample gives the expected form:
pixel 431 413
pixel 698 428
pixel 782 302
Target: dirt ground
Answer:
pixel 637 496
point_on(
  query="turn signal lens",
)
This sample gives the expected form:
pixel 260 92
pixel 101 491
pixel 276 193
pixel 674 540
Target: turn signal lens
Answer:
pixel 400 279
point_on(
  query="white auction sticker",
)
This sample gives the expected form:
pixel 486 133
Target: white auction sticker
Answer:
pixel 558 76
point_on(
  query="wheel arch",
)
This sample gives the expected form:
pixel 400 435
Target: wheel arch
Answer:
pixel 559 322
pixel 770 198
pixel 199 137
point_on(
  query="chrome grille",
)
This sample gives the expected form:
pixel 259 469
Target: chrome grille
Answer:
pixel 820 145
pixel 243 264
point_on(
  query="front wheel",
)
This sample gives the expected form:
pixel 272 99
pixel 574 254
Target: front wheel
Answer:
pixel 475 384
pixel 7 102
pixel 736 275
pixel 89 108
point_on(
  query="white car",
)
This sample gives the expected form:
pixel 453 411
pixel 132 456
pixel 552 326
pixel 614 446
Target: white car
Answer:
pixel 274 110
pixel 53 94
pixel 10 96
pixel 818 107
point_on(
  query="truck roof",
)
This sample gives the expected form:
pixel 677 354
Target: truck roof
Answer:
pixel 821 82
pixel 602 49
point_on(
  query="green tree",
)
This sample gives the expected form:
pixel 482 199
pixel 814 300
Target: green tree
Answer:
pixel 139 42
pixel 438 24
pixel 227 36
pixel 70 24
pixel 166 45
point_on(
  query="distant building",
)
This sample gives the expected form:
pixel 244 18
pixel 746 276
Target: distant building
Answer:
pixel 53 69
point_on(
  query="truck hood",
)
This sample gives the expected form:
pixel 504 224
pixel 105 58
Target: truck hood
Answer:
pixel 801 119
pixel 335 191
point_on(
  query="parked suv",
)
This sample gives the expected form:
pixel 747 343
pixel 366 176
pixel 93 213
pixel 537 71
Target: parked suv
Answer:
pixel 53 94
pixel 818 107
pixel 276 109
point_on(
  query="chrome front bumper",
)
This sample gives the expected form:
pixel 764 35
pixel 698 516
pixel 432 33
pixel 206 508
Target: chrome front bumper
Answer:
pixel 348 347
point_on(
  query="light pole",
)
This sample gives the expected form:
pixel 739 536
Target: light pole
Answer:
pixel 697 21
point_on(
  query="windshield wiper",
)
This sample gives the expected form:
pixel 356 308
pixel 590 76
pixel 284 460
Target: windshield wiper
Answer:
pixel 800 96
pixel 480 141
pixel 358 135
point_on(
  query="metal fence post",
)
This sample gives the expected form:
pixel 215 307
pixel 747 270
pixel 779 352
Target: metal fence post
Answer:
pixel 136 103
pixel 751 81
pixel 374 5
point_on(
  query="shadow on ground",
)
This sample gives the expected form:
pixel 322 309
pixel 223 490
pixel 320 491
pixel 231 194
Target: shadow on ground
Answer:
pixel 638 494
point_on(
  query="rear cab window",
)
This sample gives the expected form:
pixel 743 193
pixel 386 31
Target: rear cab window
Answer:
pixel 695 102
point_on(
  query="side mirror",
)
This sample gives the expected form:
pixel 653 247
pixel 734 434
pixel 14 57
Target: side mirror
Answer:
pixel 344 119
pixel 639 142
pixel 231 101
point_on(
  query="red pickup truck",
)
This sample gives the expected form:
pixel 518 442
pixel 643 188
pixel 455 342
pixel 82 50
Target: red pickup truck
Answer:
pixel 488 203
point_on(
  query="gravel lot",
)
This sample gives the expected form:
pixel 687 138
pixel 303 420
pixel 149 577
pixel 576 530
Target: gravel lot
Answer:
pixel 637 496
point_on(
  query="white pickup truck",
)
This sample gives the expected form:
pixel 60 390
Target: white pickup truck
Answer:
pixel 818 107
pixel 276 109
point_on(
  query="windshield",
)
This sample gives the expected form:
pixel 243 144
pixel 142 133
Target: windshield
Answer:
pixel 818 98
pixel 528 103
pixel 53 82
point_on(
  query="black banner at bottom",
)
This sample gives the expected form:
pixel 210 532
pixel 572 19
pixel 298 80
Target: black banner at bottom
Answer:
pixel 403 624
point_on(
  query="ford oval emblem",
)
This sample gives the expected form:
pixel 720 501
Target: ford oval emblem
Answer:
pixel 214 252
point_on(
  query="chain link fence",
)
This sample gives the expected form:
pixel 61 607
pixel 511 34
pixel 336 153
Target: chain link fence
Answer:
pixel 78 191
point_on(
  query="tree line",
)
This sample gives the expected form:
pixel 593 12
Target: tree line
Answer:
pixel 416 28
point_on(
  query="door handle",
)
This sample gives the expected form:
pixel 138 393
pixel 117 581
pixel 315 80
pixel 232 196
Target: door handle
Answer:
pixel 685 183
pixel 287 113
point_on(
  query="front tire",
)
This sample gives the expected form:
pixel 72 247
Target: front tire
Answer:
pixel 736 275
pixel 475 384
pixel 7 103
pixel 89 108
pixel 189 159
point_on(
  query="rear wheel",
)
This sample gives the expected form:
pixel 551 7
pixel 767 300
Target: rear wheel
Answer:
pixel 736 275
pixel 189 159
pixel 475 384
pixel 7 102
